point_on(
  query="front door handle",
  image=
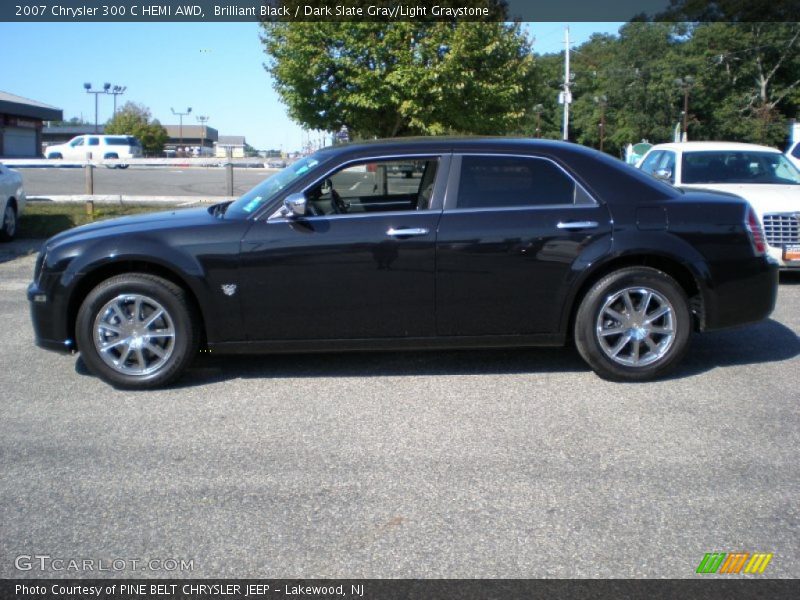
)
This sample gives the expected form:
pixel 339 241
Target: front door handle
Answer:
pixel 406 232
pixel 577 225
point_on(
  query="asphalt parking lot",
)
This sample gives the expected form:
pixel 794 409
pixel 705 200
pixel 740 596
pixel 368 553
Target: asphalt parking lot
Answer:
pixel 502 463
pixel 141 181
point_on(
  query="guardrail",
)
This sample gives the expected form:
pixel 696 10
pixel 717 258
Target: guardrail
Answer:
pixel 205 162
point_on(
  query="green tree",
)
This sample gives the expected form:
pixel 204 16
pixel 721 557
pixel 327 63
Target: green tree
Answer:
pixel 135 119
pixel 402 78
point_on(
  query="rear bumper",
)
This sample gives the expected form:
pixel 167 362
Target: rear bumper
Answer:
pixel 743 292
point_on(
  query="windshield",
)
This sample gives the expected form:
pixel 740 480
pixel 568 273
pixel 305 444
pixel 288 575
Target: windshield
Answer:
pixel 265 191
pixel 729 166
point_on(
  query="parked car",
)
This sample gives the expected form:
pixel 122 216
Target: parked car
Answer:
pixel 793 153
pixel 511 242
pixel 97 147
pixel 276 163
pixel 761 175
pixel 12 202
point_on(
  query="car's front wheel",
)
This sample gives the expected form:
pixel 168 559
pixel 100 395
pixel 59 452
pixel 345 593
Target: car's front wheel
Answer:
pixel 633 325
pixel 137 331
pixel 8 227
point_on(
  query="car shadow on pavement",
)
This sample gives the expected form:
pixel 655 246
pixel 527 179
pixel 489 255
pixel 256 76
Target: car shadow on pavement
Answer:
pixel 13 250
pixel 765 342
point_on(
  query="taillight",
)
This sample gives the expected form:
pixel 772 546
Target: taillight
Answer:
pixel 756 232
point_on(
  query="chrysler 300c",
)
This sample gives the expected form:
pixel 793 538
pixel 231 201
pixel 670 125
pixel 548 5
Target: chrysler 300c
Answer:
pixel 490 242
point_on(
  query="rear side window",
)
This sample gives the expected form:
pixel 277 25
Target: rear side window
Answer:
pixel 796 151
pixel 118 141
pixel 506 182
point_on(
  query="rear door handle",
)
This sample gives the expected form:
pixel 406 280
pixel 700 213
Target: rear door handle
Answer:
pixel 577 225
pixel 407 232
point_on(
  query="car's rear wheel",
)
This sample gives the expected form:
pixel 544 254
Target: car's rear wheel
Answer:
pixel 8 228
pixel 137 331
pixel 633 325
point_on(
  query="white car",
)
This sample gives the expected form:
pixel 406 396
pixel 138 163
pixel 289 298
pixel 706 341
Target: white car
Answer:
pixel 793 153
pixel 763 176
pixel 12 202
pixel 97 147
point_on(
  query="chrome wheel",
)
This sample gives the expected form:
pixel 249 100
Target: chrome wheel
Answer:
pixel 10 221
pixel 636 326
pixel 134 334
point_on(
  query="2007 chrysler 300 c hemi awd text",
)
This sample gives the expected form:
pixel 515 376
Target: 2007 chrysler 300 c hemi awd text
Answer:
pixel 412 243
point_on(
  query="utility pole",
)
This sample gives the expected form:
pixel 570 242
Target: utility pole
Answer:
pixel 202 119
pixel 566 95
pixel 538 110
pixel 180 127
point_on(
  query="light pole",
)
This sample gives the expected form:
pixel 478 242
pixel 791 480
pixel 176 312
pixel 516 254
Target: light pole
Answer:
pixel 202 119
pixel 538 110
pixel 116 91
pixel 602 102
pixel 685 83
pixel 180 127
pixel 89 90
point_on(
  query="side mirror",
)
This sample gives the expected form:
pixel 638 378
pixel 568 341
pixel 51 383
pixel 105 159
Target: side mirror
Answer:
pixel 664 175
pixel 294 205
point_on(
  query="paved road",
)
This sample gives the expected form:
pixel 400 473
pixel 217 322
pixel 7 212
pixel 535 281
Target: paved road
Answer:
pixel 141 181
pixel 448 464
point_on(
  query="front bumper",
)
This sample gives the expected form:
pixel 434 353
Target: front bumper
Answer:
pixel 49 321
pixel 777 255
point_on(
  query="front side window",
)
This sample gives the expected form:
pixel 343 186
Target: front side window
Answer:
pixel 508 182
pixel 375 186
pixel 93 141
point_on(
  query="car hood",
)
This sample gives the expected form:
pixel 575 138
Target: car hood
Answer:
pixel 143 223
pixel 764 198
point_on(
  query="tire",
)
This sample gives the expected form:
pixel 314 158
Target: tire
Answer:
pixel 120 341
pixel 633 325
pixel 8 222
pixel 55 155
pixel 122 166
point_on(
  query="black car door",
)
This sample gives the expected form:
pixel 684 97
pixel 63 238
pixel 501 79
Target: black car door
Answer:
pixel 515 232
pixel 363 270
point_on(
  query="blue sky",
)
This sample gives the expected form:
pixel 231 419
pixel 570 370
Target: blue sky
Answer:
pixel 215 68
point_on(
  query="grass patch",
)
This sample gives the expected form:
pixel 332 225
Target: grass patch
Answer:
pixel 45 219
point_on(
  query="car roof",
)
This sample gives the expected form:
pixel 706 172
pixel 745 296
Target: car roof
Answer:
pixel 454 144
pixel 713 146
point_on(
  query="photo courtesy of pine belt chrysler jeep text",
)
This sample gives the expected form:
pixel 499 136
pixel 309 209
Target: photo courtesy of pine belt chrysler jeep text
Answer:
pixel 412 244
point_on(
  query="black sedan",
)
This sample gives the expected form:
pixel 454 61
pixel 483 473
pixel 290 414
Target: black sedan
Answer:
pixel 490 242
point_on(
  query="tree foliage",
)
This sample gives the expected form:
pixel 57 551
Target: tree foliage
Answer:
pixel 402 78
pixel 135 119
pixel 745 83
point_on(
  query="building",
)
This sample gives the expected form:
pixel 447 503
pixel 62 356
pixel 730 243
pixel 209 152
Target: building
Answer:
pixel 234 143
pixel 189 139
pixel 21 123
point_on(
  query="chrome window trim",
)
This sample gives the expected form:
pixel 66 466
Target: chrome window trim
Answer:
pixel 380 213
pixel 452 195
pixel 440 185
